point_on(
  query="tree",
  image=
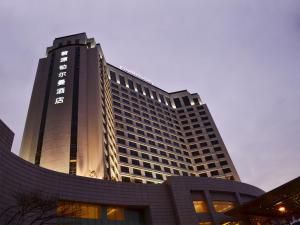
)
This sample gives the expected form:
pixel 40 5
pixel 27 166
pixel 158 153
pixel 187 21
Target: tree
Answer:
pixel 36 208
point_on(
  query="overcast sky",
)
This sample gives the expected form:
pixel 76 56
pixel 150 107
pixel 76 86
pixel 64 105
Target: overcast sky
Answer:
pixel 242 57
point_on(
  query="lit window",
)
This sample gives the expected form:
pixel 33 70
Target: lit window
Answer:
pixel 206 223
pixel 200 206
pixel 79 210
pixel 115 213
pixel 230 223
pixel 223 206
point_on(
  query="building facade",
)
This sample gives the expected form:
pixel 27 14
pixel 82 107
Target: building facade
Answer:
pixel 181 200
pixel 90 118
pixel 6 137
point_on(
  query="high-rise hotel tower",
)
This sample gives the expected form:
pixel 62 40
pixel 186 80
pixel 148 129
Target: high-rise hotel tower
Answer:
pixel 90 118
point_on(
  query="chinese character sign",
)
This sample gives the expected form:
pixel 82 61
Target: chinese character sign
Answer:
pixel 61 82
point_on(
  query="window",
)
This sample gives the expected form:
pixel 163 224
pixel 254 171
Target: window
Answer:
pixel 119 132
pixel 198 160
pixel 214 142
pixel 167 170
pixel 157 167
pixel 113 76
pixel 125 179
pixel 145 156
pixel 124 169
pixel 223 163
pixel 123 159
pixel 132 144
pixel 198 131
pixel 177 102
pixel 134 153
pixel 148 174
pixel 212 136
pixel 226 170
pixel 193 146
pixel 200 206
pixel 211 165
pixel 205 151
pixel 142 139
pixel 203 144
pixel 220 156
pixel 139 87
pixel 147 92
pixel 131 136
pixel 164 161
pixel 154 158
pixel 115 213
pixel 147 165
pixel 86 210
pixel 223 206
pixel 121 141
pixel 176 172
pixel 208 158
pixel 199 168
pixel 159 176
pixel 122 80
pixel 143 147
pixel 214 173
pixel 206 223
pixel 130 128
pixel 186 101
pixel 135 162
pixel 130 83
pixel 162 98
pixel 122 150
pixel 137 172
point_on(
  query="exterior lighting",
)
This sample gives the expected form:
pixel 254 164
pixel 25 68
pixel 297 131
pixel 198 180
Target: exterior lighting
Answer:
pixel 282 209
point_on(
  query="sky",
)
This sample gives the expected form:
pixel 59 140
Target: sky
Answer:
pixel 242 57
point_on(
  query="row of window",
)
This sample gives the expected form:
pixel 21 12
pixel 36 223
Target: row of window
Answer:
pixel 151 175
pixel 219 206
pixel 151 94
pixel 166 162
pixel 136 99
pixel 159 158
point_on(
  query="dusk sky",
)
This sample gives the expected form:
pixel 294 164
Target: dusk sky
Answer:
pixel 242 57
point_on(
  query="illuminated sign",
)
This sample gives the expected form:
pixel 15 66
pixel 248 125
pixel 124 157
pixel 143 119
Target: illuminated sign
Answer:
pixel 61 82
pixel 134 74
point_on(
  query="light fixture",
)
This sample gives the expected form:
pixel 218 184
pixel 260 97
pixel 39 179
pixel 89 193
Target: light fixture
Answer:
pixel 282 209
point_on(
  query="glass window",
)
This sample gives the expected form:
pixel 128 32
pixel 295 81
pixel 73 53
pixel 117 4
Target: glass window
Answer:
pixel 177 103
pixel 206 223
pixel 79 210
pixel 200 206
pixel 223 206
pixel 186 101
pixel 139 87
pixel 115 213
pixel 147 92
pixel 130 83
pixel 113 76
pixel 162 98
pixel 122 80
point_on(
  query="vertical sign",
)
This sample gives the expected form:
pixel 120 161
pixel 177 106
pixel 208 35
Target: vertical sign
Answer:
pixel 61 82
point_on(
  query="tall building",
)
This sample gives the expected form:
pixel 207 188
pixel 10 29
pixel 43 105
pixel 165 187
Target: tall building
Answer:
pixel 90 118
pixel 6 137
